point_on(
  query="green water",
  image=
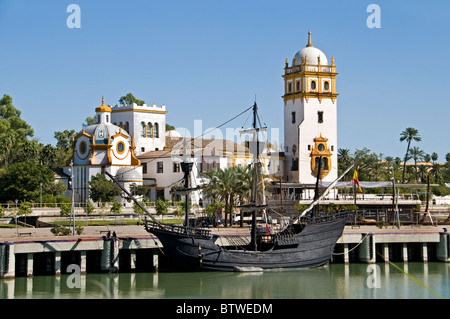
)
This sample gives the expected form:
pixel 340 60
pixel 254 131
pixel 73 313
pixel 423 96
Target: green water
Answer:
pixel 338 281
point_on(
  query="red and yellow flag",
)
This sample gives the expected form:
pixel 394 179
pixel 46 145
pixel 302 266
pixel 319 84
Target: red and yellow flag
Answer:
pixel 356 181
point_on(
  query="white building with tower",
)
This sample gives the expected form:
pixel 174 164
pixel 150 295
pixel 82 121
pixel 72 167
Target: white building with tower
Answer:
pixel 310 117
pixel 102 147
pixel 146 123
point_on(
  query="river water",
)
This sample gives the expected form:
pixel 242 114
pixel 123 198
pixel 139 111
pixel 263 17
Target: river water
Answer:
pixel 337 281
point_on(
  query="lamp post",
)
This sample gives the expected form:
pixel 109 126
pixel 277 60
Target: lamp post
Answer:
pixel 73 192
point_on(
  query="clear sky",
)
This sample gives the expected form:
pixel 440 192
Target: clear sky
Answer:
pixel 207 60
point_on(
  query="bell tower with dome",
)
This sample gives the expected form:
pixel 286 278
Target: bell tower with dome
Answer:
pixel 310 116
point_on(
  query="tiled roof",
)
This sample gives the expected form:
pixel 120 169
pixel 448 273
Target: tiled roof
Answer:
pixel 198 146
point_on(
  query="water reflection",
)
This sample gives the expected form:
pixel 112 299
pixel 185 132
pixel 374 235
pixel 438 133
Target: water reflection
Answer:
pixel 424 280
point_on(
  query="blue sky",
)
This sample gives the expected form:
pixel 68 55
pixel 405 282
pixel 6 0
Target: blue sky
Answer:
pixel 207 60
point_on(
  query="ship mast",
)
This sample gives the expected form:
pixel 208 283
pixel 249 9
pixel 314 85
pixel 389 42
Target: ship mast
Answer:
pixel 254 207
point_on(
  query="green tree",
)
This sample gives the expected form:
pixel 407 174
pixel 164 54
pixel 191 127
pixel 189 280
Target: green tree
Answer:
pixel 169 127
pixel 409 135
pixel 64 139
pixel 116 208
pixel 161 206
pixel 139 190
pixel 55 188
pixel 13 130
pixel 48 155
pixel 22 181
pixel 129 98
pixel 30 151
pixel 89 208
pixel 417 155
pixel 63 147
pixel 103 190
pixel 344 159
pixel 90 120
pixel 230 186
pixel 25 210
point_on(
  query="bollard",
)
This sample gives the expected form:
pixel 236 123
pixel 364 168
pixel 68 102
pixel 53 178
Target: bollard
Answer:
pixel 7 260
pixel 110 254
pixel 367 249
pixel 443 247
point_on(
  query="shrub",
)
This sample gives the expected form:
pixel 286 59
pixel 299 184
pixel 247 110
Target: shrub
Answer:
pixel 60 231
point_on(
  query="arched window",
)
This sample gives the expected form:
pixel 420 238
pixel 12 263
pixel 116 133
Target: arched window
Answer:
pixel 142 129
pixel 149 130
pixel 156 131
pixel 313 85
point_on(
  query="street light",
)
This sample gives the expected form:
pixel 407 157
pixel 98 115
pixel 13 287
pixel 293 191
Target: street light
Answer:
pixel 15 214
pixel 73 192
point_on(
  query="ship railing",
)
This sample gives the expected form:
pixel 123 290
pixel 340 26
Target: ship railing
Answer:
pixel 324 218
pixel 178 229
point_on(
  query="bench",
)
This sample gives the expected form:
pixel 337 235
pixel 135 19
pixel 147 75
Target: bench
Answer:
pixel 103 231
pixel 24 234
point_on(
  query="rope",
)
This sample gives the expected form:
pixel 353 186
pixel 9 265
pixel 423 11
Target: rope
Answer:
pixel 353 247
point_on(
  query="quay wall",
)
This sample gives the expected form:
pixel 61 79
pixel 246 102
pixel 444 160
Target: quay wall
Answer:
pixel 36 256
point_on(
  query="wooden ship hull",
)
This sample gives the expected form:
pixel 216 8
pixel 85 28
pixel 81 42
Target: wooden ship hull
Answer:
pixel 305 245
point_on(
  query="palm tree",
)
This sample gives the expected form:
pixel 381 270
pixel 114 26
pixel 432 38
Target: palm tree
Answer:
pixel 436 172
pixel 408 135
pixel 231 186
pixel 243 178
pixel 417 155
pixel 344 159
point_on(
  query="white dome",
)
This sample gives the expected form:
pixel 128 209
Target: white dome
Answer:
pixel 101 131
pixel 312 55
pixel 126 174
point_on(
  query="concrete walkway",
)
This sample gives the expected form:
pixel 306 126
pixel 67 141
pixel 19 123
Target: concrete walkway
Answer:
pixel 33 234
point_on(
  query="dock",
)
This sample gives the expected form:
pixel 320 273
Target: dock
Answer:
pixel 36 251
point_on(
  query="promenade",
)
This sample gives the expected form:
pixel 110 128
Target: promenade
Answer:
pixel 35 251
pixel 28 234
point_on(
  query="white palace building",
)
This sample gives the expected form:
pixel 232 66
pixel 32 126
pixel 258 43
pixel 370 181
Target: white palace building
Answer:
pixel 131 143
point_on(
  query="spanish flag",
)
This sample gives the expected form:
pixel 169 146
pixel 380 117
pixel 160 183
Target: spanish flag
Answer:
pixel 356 181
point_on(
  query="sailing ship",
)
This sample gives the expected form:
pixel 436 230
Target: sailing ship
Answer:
pixel 307 241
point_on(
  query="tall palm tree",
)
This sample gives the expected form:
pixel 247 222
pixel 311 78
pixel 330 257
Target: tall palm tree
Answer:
pixel 344 159
pixel 231 186
pixel 410 134
pixel 417 155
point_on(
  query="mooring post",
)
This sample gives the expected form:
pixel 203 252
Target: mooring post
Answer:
pixel 7 260
pixel 405 252
pixel 155 260
pixel 346 256
pixel 386 252
pixel 443 247
pixel 30 264
pixel 83 261
pixel 57 263
pixel 367 249
pixel 132 259
pixel 424 252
